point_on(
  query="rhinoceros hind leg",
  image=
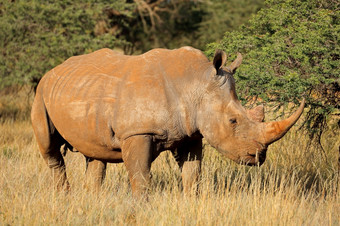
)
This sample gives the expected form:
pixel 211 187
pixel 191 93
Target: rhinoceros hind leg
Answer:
pixel 95 173
pixel 188 157
pixel 137 157
pixel 49 141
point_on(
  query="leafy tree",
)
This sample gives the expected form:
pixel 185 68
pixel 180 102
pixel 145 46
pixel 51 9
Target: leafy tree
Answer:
pixel 291 49
pixel 37 35
pixel 224 16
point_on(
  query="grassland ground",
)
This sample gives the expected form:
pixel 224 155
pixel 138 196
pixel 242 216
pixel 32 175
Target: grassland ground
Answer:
pixel 297 185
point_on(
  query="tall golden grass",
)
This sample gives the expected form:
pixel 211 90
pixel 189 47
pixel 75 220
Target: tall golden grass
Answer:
pixel 295 186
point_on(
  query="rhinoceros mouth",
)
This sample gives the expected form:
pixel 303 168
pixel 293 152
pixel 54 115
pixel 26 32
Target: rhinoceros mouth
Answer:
pixel 256 159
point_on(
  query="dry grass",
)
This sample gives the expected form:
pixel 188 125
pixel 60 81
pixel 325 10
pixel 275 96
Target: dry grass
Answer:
pixel 295 186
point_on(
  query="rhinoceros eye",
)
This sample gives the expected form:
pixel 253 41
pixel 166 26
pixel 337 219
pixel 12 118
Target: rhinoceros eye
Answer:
pixel 233 120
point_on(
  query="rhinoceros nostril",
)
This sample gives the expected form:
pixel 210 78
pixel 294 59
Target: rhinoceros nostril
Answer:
pixel 252 155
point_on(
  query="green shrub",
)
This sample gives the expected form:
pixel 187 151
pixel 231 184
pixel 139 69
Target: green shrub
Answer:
pixel 38 35
pixel 291 50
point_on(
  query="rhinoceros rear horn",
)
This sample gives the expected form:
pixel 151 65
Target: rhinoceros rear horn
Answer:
pixel 219 59
pixel 275 130
pixel 256 114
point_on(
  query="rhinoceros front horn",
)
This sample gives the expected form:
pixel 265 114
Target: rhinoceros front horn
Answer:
pixel 275 130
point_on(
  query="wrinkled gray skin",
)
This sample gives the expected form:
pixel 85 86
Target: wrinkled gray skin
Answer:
pixel 116 108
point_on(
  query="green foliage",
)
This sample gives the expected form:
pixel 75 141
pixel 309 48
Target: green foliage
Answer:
pixel 291 50
pixel 35 36
pixel 38 35
pixel 224 16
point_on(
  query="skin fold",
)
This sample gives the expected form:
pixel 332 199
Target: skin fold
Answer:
pixel 114 108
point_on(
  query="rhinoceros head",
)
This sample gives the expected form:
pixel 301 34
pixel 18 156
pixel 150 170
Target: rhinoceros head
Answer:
pixel 238 134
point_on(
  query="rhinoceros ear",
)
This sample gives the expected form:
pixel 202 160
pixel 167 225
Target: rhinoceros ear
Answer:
pixel 256 113
pixel 219 59
pixel 234 65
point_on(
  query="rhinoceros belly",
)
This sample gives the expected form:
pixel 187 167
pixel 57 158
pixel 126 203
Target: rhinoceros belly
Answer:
pixel 85 126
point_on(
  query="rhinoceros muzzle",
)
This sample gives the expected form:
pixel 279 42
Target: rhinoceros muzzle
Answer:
pixel 256 159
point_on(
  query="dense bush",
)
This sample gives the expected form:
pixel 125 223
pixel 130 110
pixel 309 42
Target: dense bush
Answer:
pixel 291 50
pixel 35 36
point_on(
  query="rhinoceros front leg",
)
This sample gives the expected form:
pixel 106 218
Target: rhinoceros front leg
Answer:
pixel 188 157
pixel 95 173
pixel 137 157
